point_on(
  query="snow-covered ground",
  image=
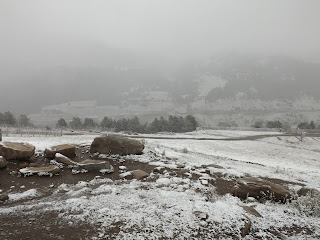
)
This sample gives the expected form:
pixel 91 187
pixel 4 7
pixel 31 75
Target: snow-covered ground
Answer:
pixel 179 208
pixel 286 158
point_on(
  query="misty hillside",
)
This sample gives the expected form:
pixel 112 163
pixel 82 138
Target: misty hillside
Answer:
pixel 120 77
pixel 74 72
pixel 243 77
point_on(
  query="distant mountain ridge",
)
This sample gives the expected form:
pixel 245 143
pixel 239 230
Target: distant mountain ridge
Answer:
pixel 265 78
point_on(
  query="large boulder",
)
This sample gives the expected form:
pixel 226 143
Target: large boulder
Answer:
pixel 16 151
pixel 41 171
pixel 114 144
pixel 64 149
pixel 3 162
pixel 260 189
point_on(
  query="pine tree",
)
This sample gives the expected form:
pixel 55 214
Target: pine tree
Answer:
pixel 61 123
pixel 75 123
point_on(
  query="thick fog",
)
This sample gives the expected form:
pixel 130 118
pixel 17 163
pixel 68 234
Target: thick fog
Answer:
pixel 56 41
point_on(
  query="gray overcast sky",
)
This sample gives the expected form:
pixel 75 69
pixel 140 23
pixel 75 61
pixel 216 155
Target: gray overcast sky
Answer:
pixel 180 28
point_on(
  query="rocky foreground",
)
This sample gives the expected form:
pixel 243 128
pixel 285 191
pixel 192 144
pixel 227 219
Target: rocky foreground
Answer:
pixel 76 174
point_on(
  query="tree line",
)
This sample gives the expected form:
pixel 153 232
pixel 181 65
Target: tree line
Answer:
pixel 172 124
pixel 8 119
pixel 278 124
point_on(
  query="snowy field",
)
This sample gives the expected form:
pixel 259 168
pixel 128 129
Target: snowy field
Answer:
pixel 182 208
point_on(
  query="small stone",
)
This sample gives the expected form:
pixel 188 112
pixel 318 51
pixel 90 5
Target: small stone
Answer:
pixel 180 165
pixel 122 168
pixel 139 174
pixel 126 175
pixel 4 197
pixel 201 215
pixel 3 162
pixel 246 228
pixel 159 170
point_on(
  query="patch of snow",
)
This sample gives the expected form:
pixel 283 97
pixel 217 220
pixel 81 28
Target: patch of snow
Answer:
pixel 31 193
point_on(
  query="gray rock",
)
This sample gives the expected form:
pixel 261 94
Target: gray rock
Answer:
pixel 126 175
pixel 139 174
pixel 65 149
pixel 92 165
pixel 260 189
pixel 251 211
pixel 3 162
pixel 247 226
pixel 159 170
pixel 114 144
pixel 3 197
pixel 180 165
pixel 305 190
pixel 63 159
pixel 40 170
pixel 16 151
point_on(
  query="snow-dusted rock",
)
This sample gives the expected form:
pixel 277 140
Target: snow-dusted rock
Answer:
pixel 126 175
pixel 64 149
pixel 251 211
pixel 161 182
pixel 113 144
pixel 158 170
pixel 16 151
pixel 40 170
pixel 3 162
pixel 180 165
pixel 90 165
pixel 247 225
pixel 63 159
pixel 305 190
pixel 201 215
pixel 4 197
pixel 139 174
pixel 260 189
